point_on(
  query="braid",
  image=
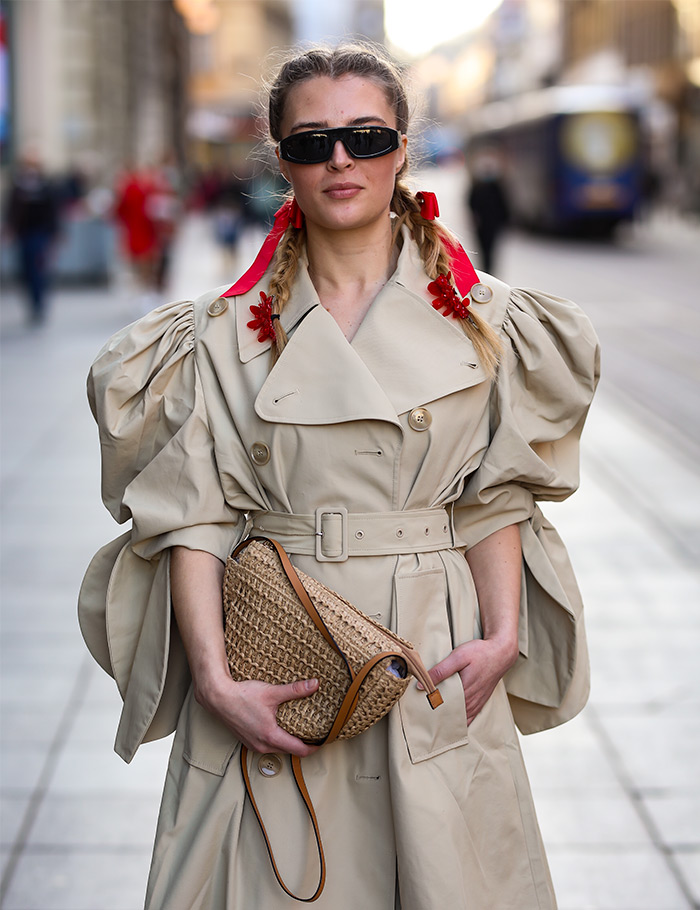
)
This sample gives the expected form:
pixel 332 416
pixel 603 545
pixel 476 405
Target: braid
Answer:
pixel 429 236
pixel 285 265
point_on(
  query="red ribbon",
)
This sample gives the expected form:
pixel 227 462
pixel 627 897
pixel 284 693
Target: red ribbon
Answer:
pixel 463 273
pixel 289 213
pixel 429 208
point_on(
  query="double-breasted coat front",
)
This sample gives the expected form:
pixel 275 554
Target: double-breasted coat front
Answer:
pixel 403 428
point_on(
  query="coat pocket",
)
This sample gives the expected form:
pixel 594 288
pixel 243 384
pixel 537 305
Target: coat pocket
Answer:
pixel 421 614
pixel 209 744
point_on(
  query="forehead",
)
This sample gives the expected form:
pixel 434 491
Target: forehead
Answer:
pixel 336 102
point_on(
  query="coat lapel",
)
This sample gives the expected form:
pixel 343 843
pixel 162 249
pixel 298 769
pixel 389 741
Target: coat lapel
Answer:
pixel 320 379
pixel 405 353
pixel 302 299
pixel 416 354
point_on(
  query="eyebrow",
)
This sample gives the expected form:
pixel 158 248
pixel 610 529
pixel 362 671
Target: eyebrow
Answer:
pixel 323 125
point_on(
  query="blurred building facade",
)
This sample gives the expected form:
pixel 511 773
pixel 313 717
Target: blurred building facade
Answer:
pixel 649 47
pixel 236 43
pixel 96 84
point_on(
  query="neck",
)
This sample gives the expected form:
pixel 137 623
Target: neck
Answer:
pixel 340 260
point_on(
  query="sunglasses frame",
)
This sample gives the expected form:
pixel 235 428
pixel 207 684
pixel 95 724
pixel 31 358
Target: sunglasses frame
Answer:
pixel 340 134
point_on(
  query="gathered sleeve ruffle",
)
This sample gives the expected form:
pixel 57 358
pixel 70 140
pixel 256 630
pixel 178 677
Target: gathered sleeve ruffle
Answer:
pixel 159 469
pixel 546 379
pixel 158 461
pixel 547 375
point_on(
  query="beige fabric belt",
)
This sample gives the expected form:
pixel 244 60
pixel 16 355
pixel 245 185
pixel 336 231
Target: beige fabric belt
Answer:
pixel 334 534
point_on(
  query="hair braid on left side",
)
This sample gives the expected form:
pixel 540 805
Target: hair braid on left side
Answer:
pixel 285 266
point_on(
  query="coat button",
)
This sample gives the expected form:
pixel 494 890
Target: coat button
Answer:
pixel 217 307
pixel 269 764
pixel 260 453
pixel 420 419
pixel 481 293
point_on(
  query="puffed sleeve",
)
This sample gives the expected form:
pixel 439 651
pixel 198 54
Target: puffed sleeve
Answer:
pixel 159 469
pixel 546 379
pixel 158 463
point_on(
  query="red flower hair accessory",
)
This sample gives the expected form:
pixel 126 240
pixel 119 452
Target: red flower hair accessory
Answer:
pixel 263 318
pixel 447 298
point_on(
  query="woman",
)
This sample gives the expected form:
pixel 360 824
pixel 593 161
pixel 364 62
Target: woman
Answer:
pixel 436 432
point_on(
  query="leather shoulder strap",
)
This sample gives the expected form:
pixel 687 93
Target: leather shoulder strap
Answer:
pixel 303 790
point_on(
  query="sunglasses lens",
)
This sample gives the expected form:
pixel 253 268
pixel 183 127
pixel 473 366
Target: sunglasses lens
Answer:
pixel 313 146
pixel 307 147
pixel 369 142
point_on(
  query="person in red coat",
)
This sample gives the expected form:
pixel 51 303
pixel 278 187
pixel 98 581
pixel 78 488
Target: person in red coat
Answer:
pixel 140 237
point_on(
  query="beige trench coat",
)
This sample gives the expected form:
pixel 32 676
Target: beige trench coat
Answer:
pixel 197 434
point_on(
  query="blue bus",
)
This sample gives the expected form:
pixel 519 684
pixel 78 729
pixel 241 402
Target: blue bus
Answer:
pixel 573 156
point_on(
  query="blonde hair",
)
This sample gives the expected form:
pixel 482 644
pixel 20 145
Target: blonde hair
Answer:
pixel 370 63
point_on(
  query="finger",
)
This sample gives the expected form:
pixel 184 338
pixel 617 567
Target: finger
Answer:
pixel 285 742
pixel 453 663
pixel 302 688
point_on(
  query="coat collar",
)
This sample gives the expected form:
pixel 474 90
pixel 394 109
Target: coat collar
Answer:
pixel 405 353
pixel 302 299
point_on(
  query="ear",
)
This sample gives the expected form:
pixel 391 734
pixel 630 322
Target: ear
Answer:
pixel 282 165
pixel 401 153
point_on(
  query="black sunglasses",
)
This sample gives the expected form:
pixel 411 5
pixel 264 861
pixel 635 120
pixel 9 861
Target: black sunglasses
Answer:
pixel 314 146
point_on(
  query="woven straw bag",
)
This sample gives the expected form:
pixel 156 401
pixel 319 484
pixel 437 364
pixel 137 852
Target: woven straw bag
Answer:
pixel 281 625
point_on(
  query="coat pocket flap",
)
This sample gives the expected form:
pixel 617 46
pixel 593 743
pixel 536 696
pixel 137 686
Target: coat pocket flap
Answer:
pixel 421 611
pixel 209 744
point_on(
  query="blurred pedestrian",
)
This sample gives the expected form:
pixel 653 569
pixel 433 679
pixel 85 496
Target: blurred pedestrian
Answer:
pixel 229 218
pixel 163 207
pixel 33 220
pixel 139 230
pixel 363 396
pixel 488 204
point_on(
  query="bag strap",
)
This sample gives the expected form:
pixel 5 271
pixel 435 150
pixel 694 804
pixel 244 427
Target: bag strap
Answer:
pixel 303 790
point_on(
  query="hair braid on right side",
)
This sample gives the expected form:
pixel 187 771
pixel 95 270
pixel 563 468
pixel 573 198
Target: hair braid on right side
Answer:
pixel 285 266
pixel 430 236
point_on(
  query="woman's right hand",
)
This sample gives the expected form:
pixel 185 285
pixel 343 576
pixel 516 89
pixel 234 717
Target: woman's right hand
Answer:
pixel 249 709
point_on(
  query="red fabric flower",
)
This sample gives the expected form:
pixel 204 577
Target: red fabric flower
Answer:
pixel 263 318
pixel 447 297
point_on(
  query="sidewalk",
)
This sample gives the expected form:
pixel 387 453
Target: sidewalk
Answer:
pixel 618 788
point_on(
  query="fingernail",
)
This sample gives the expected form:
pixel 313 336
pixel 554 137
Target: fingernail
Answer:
pixel 311 684
pixel 419 685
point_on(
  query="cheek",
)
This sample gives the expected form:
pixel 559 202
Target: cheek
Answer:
pixel 301 180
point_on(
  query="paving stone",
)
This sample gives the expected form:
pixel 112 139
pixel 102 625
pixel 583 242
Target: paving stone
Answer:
pixel 676 816
pixel 74 879
pixel 96 821
pixel 591 819
pixel 689 863
pixel 658 749
pixel 568 758
pixel 633 879
pixel 85 769
pixel 12 811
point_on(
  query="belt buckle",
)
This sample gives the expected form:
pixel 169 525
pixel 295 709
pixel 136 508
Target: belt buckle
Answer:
pixel 320 514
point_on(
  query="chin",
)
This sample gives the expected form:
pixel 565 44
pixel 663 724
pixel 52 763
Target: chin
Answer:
pixel 350 220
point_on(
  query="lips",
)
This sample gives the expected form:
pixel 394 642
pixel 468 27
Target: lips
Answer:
pixel 342 190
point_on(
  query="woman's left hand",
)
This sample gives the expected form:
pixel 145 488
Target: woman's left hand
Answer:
pixel 481 663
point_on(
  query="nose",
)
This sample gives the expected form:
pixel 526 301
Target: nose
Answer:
pixel 340 158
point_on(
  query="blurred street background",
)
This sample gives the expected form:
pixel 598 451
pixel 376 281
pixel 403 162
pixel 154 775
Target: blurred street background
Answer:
pixel 562 138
